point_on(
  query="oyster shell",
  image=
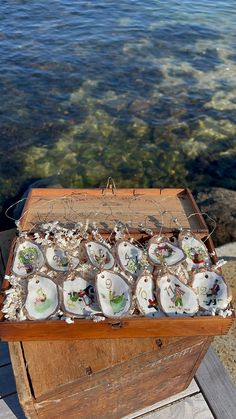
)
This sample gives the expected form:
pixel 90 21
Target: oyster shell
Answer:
pixel 28 258
pixel 175 297
pixel 211 290
pixel 99 255
pixel 114 294
pixel 161 251
pixel 195 250
pixel 79 297
pixel 130 258
pixel 59 260
pixel 145 297
pixel 42 298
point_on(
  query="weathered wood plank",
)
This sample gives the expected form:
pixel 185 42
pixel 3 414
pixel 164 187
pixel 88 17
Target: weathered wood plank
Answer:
pixel 217 387
pixel 4 354
pixel 193 407
pixel 7 382
pixel 133 327
pixel 96 355
pixel 191 390
pixel 10 408
pixel 22 381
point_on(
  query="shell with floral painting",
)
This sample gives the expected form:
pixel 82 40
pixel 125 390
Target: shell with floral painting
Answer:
pixel 28 259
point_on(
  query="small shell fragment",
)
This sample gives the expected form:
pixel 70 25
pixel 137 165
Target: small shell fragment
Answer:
pixel 113 293
pixel 28 258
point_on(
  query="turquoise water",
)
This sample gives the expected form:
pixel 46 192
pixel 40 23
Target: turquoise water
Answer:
pixel 141 91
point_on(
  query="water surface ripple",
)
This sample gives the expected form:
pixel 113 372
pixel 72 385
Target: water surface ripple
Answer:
pixel 142 91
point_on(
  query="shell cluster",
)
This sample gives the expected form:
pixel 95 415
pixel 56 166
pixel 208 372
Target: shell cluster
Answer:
pixel 64 272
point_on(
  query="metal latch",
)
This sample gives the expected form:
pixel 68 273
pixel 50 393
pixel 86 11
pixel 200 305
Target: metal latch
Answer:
pixel 116 325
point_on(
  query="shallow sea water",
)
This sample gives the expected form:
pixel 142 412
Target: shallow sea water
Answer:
pixel 144 92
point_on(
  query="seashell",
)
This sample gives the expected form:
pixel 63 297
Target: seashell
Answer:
pixel 59 260
pixel 28 258
pixel 99 255
pixel 42 298
pixel 211 290
pixel 161 251
pixel 130 258
pixel 114 294
pixel 175 297
pixel 79 297
pixel 195 250
pixel 145 297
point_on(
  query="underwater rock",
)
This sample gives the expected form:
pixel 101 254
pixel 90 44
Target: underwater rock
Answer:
pixel 219 204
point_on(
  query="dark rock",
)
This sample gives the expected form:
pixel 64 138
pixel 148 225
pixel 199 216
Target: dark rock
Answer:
pixel 219 204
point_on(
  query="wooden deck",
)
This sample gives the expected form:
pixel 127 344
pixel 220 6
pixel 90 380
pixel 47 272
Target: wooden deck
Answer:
pixel 211 395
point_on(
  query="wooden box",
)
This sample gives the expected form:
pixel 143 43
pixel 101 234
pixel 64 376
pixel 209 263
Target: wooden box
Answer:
pixel 102 378
pixel 158 208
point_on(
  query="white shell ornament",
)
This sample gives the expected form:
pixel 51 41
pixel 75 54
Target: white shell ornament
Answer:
pixel 130 258
pixel 176 298
pixel 42 298
pixel 145 297
pixel 114 294
pixel 161 251
pixel 196 252
pixel 79 297
pixel 99 255
pixel 211 290
pixel 28 258
pixel 59 260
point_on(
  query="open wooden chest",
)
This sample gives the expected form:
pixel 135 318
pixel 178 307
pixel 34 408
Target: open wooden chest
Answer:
pixel 158 209
pixel 113 368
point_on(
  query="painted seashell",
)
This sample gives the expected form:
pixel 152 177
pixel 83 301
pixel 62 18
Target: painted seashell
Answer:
pixel 114 294
pixel 130 258
pixel 175 297
pixel 146 300
pixel 42 298
pixel 161 251
pixel 211 290
pixel 79 297
pixel 99 255
pixel 59 260
pixel 196 252
pixel 28 258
